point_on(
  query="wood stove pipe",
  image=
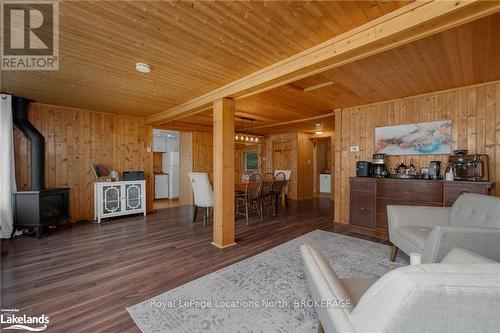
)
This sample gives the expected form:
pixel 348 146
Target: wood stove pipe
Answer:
pixel 37 141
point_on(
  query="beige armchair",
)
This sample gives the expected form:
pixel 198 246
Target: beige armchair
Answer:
pixel 472 223
pixel 460 295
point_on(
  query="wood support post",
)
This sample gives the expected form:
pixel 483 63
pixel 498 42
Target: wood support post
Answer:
pixel 224 234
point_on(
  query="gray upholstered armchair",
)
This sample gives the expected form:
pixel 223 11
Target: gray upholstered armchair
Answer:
pixel 461 294
pixel 472 223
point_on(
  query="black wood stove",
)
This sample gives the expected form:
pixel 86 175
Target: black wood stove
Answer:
pixel 38 207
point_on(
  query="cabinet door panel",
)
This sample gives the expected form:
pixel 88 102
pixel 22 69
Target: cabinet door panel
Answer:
pixel 133 197
pixel 111 202
pixel 362 209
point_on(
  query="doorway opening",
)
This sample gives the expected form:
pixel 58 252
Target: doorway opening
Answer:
pixel 322 168
pixel 165 168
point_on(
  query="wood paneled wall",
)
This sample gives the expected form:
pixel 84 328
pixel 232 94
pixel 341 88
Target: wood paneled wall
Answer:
pixel 305 170
pixel 185 166
pixel 202 151
pixel 75 138
pixel 474 112
pixel 157 162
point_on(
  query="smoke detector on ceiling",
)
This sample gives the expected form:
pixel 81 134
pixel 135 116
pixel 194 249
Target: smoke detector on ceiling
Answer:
pixel 142 67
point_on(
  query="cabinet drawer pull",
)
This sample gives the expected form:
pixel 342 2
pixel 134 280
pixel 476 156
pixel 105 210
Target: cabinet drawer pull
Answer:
pixel 463 192
pixel 363 208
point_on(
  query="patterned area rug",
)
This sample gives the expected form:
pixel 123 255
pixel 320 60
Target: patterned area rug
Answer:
pixel 262 293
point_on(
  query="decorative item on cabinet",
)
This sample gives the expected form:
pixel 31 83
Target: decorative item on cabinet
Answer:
pixel 119 198
pixel 101 172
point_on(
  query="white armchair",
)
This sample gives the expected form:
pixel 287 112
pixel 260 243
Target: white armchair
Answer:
pixel 203 194
pixel 462 294
pixel 473 223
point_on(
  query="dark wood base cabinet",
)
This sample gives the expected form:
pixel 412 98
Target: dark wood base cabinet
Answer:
pixel 369 197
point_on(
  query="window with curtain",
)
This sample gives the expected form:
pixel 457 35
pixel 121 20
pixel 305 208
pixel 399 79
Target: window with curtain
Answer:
pixel 7 170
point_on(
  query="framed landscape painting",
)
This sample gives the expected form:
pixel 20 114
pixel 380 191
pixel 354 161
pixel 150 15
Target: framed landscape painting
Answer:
pixel 414 139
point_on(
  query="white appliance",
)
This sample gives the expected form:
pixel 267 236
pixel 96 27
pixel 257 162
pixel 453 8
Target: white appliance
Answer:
pixel 161 187
pixel 325 183
pixel 172 168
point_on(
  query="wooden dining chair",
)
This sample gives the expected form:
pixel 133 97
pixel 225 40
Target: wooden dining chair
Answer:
pixel 278 187
pixel 266 195
pixel 250 200
pixel 255 177
pixel 268 177
pixel 284 192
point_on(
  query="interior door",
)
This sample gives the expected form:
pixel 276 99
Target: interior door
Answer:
pixel 282 155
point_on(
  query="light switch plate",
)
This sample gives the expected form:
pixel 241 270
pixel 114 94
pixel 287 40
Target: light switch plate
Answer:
pixel 354 149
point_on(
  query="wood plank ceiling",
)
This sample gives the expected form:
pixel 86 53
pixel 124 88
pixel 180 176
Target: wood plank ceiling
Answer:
pixel 192 47
pixel 466 55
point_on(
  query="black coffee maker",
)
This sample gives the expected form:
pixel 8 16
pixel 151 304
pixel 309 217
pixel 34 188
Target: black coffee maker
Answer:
pixel 363 169
pixel 378 165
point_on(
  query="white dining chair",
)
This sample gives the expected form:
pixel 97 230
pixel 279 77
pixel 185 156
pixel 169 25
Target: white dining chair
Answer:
pixel 202 192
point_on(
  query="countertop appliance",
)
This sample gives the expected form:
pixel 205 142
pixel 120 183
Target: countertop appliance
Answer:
pixel 378 165
pixel 363 169
pixel 435 169
pixel 470 167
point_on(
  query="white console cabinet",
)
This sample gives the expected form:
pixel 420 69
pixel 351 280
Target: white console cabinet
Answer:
pixel 119 198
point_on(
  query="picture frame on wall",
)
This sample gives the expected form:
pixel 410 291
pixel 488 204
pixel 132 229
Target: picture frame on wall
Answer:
pixel 415 139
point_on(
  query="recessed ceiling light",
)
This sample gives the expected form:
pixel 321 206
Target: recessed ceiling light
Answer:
pixel 142 67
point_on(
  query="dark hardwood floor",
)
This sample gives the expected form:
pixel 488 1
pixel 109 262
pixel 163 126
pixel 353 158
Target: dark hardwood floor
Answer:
pixel 84 276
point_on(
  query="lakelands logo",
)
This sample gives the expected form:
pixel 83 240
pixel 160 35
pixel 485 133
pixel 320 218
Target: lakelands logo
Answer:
pixel 23 322
pixel 30 35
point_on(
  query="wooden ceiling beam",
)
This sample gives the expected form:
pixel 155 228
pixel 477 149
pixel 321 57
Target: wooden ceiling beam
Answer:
pixel 296 121
pixel 404 25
